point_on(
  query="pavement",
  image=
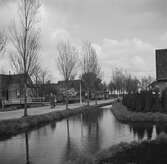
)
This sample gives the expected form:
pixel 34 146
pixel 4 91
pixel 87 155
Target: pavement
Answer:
pixel 42 110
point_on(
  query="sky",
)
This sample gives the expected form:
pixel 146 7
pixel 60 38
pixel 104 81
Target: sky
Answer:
pixel 125 33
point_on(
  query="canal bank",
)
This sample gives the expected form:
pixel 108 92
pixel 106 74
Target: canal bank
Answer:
pixel 124 115
pixel 12 127
pixel 146 152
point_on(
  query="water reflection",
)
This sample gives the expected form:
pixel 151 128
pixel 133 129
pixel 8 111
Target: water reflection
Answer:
pixel 70 150
pixel 147 131
pixel 64 141
pixel 27 148
pixel 53 125
pixel 161 128
pixel 91 121
pixel 142 130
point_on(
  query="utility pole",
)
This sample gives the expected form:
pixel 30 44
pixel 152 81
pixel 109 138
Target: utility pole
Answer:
pixel 80 93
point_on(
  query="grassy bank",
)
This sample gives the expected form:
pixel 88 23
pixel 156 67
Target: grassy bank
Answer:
pixel 124 115
pixel 147 152
pixel 12 127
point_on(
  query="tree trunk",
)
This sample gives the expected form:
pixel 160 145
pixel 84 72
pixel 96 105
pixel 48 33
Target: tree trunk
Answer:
pixel 66 96
pixel 88 98
pixel 25 100
pixel 66 102
pixel 36 87
pixel 27 148
pixel 95 99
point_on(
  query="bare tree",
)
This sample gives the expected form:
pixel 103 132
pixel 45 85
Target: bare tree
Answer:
pixel 44 75
pixel 3 42
pixel 25 38
pixel 89 60
pixel 90 68
pixel 146 81
pixel 36 79
pixel 36 74
pixel 119 80
pixel 67 62
pixel 123 82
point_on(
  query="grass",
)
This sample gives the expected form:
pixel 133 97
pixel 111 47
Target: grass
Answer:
pixel 11 127
pixel 147 152
pixel 124 115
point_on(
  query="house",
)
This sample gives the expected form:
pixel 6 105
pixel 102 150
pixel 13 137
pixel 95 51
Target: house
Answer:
pixel 12 88
pixel 45 90
pixel 71 84
pixel 73 89
pixel 161 71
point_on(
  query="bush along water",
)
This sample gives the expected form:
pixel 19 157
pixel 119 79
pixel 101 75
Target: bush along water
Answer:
pixel 146 152
pixel 146 101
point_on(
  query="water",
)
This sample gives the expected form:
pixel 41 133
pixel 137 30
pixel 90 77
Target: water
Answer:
pixel 65 140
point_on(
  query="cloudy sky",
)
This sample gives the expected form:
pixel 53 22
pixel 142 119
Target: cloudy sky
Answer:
pixel 125 33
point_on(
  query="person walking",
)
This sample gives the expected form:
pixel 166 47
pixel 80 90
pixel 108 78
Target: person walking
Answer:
pixel 55 101
pixel 52 100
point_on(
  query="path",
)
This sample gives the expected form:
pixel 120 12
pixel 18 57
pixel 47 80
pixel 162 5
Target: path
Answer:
pixel 41 110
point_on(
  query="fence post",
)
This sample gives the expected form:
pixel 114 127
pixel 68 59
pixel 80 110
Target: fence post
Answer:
pixel 2 104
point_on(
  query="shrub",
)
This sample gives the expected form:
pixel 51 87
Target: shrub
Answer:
pixel 146 101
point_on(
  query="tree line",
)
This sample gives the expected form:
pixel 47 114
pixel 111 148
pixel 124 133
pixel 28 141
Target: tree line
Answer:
pixel 123 82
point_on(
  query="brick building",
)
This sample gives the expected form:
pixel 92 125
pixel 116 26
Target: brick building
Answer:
pixel 161 70
pixel 12 87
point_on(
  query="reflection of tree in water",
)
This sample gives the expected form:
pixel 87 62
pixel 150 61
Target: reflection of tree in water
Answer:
pixel 92 116
pixel 161 128
pixel 71 152
pixel 27 148
pixel 140 130
pixel 53 125
pixel 91 121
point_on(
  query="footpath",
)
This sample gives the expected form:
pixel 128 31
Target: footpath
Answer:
pixel 43 110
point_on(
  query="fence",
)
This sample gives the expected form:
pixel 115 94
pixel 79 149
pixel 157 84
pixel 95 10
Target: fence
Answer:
pixel 21 100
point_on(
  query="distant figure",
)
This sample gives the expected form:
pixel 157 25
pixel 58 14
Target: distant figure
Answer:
pixel 53 101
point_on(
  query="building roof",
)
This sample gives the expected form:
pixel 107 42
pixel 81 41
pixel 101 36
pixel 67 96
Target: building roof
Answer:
pixel 161 67
pixel 6 80
pixel 52 85
pixel 71 83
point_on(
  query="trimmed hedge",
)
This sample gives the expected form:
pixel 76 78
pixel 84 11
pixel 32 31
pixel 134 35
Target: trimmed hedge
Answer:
pixel 146 101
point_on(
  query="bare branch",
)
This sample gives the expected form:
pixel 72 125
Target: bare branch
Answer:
pixel 25 38
pixel 3 42
pixel 67 59
pixel 89 60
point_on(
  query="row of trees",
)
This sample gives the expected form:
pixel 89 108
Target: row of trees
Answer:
pixel 123 82
pixel 24 34
pixel 68 62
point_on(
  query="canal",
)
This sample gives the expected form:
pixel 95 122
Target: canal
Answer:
pixel 84 134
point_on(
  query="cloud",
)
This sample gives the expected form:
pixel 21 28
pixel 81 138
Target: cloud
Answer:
pixel 5 15
pixel 133 55
pixel 120 39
